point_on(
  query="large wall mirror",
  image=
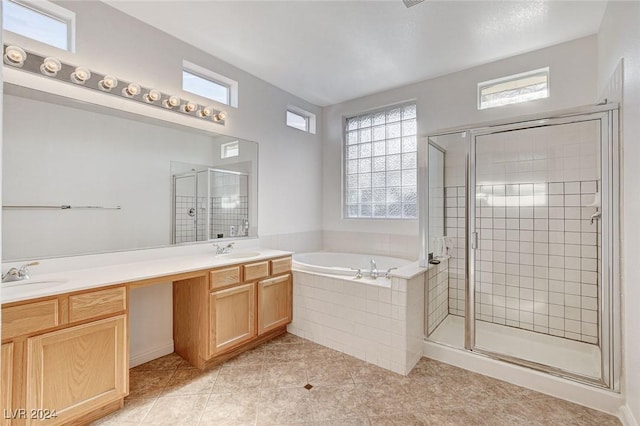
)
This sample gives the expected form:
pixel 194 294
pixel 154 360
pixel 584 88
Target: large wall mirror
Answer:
pixel 79 179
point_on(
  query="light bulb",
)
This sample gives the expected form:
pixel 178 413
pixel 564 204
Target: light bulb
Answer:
pixel 206 112
pixel 80 75
pixel 189 107
pixel 220 116
pixel 50 66
pixel 108 83
pixel 131 90
pixel 152 96
pixel 171 102
pixel 15 56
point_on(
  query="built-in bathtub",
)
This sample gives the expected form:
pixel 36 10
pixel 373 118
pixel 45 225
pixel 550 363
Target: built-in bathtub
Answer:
pixel 377 320
pixel 345 263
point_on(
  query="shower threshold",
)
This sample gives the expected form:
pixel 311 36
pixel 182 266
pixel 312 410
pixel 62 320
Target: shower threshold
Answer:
pixel 568 355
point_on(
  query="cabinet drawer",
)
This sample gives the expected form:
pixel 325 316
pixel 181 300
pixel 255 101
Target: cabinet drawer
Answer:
pixel 280 266
pixel 97 303
pixel 29 318
pixel 255 271
pixel 224 277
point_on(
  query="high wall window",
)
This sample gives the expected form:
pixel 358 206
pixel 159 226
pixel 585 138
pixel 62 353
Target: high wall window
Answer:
pixel 513 89
pixel 380 164
pixel 209 84
pixel 42 21
pixel 300 119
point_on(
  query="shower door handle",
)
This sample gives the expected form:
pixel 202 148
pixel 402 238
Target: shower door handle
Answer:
pixel 474 240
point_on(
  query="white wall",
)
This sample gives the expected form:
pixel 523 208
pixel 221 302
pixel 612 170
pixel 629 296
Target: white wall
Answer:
pixel 619 38
pixel 109 41
pixel 444 102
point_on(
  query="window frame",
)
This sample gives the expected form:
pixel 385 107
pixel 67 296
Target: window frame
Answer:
pixel 344 165
pixel 213 77
pixel 510 78
pixel 310 119
pixel 52 11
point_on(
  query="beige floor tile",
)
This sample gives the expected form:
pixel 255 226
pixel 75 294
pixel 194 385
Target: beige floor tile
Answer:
pixel 336 402
pixel 176 410
pixel 132 413
pixel 288 375
pixel 410 419
pixel 238 378
pixel 252 357
pixel 284 406
pixel 148 384
pixel 369 373
pixel 329 373
pixel 278 354
pixel 191 382
pixel 231 409
pixel 287 339
pixel 384 399
pixel 167 362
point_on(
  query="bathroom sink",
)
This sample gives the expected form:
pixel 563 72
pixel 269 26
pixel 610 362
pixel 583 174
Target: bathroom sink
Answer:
pixel 241 255
pixel 31 282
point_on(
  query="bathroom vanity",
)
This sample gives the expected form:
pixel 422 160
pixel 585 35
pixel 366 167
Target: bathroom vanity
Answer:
pixel 65 345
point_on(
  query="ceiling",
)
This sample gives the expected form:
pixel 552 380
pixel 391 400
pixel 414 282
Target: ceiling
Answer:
pixel 327 52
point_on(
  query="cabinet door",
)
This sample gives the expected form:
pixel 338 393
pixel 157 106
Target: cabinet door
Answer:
pixel 274 303
pixel 7 383
pixel 76 370
pixel 232 317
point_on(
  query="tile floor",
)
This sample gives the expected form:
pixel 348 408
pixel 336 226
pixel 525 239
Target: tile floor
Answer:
pixel 266 386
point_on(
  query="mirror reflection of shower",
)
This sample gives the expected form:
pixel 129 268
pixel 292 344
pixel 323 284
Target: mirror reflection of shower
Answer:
pixel 210 204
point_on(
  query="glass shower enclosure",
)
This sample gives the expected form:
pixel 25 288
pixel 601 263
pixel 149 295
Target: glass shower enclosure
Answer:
pixel 531 229
pixel 209 204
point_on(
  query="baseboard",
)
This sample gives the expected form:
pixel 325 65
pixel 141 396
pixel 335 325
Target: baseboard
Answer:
pixel 598 399
pixel 626 416
pixel 151 354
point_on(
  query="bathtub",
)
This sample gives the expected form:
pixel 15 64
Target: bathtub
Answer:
pixel 377 320
pixel 341 263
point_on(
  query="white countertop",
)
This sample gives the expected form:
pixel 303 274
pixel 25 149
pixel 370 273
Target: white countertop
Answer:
pixel 70 280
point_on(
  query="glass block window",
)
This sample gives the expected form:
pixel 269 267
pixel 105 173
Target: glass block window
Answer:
pixel 514 89
pixel 380 164
pixel 42 21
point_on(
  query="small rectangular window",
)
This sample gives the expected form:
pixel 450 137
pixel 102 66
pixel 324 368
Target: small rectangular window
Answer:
pixel 230 149
pixel 297 121
pixel 513 89
pixel 301 119
pixel 208 84
pixel 42 21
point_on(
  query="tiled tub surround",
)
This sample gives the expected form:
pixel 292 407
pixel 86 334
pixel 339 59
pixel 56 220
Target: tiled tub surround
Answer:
pixel 537 263
pixel 437 299
pixel 265 386
pixel 380 321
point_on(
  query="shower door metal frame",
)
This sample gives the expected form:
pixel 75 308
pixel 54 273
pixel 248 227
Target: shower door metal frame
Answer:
pixel 609 291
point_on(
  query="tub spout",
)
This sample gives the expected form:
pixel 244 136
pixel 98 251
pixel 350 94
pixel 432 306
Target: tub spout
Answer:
pixel 373 272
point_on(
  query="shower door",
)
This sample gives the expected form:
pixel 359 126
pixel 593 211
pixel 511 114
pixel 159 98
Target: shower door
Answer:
pixel 540 259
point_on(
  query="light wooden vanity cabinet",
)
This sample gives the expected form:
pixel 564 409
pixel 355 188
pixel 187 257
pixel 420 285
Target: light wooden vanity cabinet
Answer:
pixel 65 358
pixel 232 317
pixel 248 304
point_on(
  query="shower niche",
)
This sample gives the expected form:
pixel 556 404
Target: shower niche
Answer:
pixel 210 204
pixel 528 250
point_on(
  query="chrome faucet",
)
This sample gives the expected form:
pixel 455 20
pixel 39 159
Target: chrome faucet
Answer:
pixel 388 274
pixel 15 274
pixel 358 273
pixel 373 272
pixel 224 250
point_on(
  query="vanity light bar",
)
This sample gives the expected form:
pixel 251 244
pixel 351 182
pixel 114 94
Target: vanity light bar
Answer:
pixel 51 67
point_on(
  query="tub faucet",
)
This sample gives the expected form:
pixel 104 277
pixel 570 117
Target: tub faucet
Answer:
pixel 373 272
pixel 15 274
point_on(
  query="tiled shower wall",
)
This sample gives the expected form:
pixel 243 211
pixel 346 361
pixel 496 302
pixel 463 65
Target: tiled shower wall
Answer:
pixel 438 286
pixel 537 265
pixel 537 258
